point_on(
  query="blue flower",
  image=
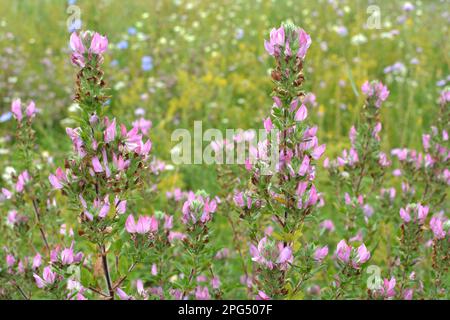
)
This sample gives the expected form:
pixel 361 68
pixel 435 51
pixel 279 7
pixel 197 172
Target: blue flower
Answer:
pixel 147 63
pixel 76 25
pixel 6 117
pixel 132 31
pixel 239 34
pixel 122 45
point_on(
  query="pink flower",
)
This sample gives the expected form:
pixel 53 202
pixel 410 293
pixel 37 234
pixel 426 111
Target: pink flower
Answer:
pixel 426 141
pixel 12 217
pixel 110 132
pixel 294 105
pixel 277 39
pixel 318 152
pixel 313 197
pixel 121 205
pixel 16 109
pixel 96 165
pixel 238 199
pixel 122 295
pixel 76 44
pixel 56 180
pixel 285 255
pixel 352 135
pixel 78 60
pixel 363 254
pixel 144 224
pixel 131 138
pixel 388 289
pixel 99 44
pixel 10 260
pixel 343 251
pixel 143 125
pixel 7 193
pixel 436 226
pixel 104 210
pixel 202 293
pixel 408 294
pixel 48 278
pixel 22 180
pixel 215 282
pixel 422 212
pixel 154 270
pixel 140 288
pixel 67 256
pixel 277 101
pixel 37 261
pixel 304 166
pixel 31 110
pixel 120 163
pixel 375 90
pixel 304 41
pixel 320 253
pixel 301 113
pixel 404 214
pixel 268 124
pixel 262 296
pixel 327 225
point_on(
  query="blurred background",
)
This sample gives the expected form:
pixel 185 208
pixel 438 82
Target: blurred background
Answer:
pixel 176 61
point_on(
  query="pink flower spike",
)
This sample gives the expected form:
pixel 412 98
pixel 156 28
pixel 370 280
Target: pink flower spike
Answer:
pixel 16 109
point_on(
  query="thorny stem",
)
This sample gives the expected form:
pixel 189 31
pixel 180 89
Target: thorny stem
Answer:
pixel 41 229
pixel 21 291
pixel 106 270
pixel 130 269
pixel 239 250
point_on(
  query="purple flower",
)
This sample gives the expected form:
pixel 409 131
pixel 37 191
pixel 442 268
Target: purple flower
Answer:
pixel 343 251
pixel 320 253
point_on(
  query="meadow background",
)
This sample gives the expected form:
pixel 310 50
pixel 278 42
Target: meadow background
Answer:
pixel 181 61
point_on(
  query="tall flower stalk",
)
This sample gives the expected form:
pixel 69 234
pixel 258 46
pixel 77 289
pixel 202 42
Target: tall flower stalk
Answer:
pixel 284 192
pixel 109 162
